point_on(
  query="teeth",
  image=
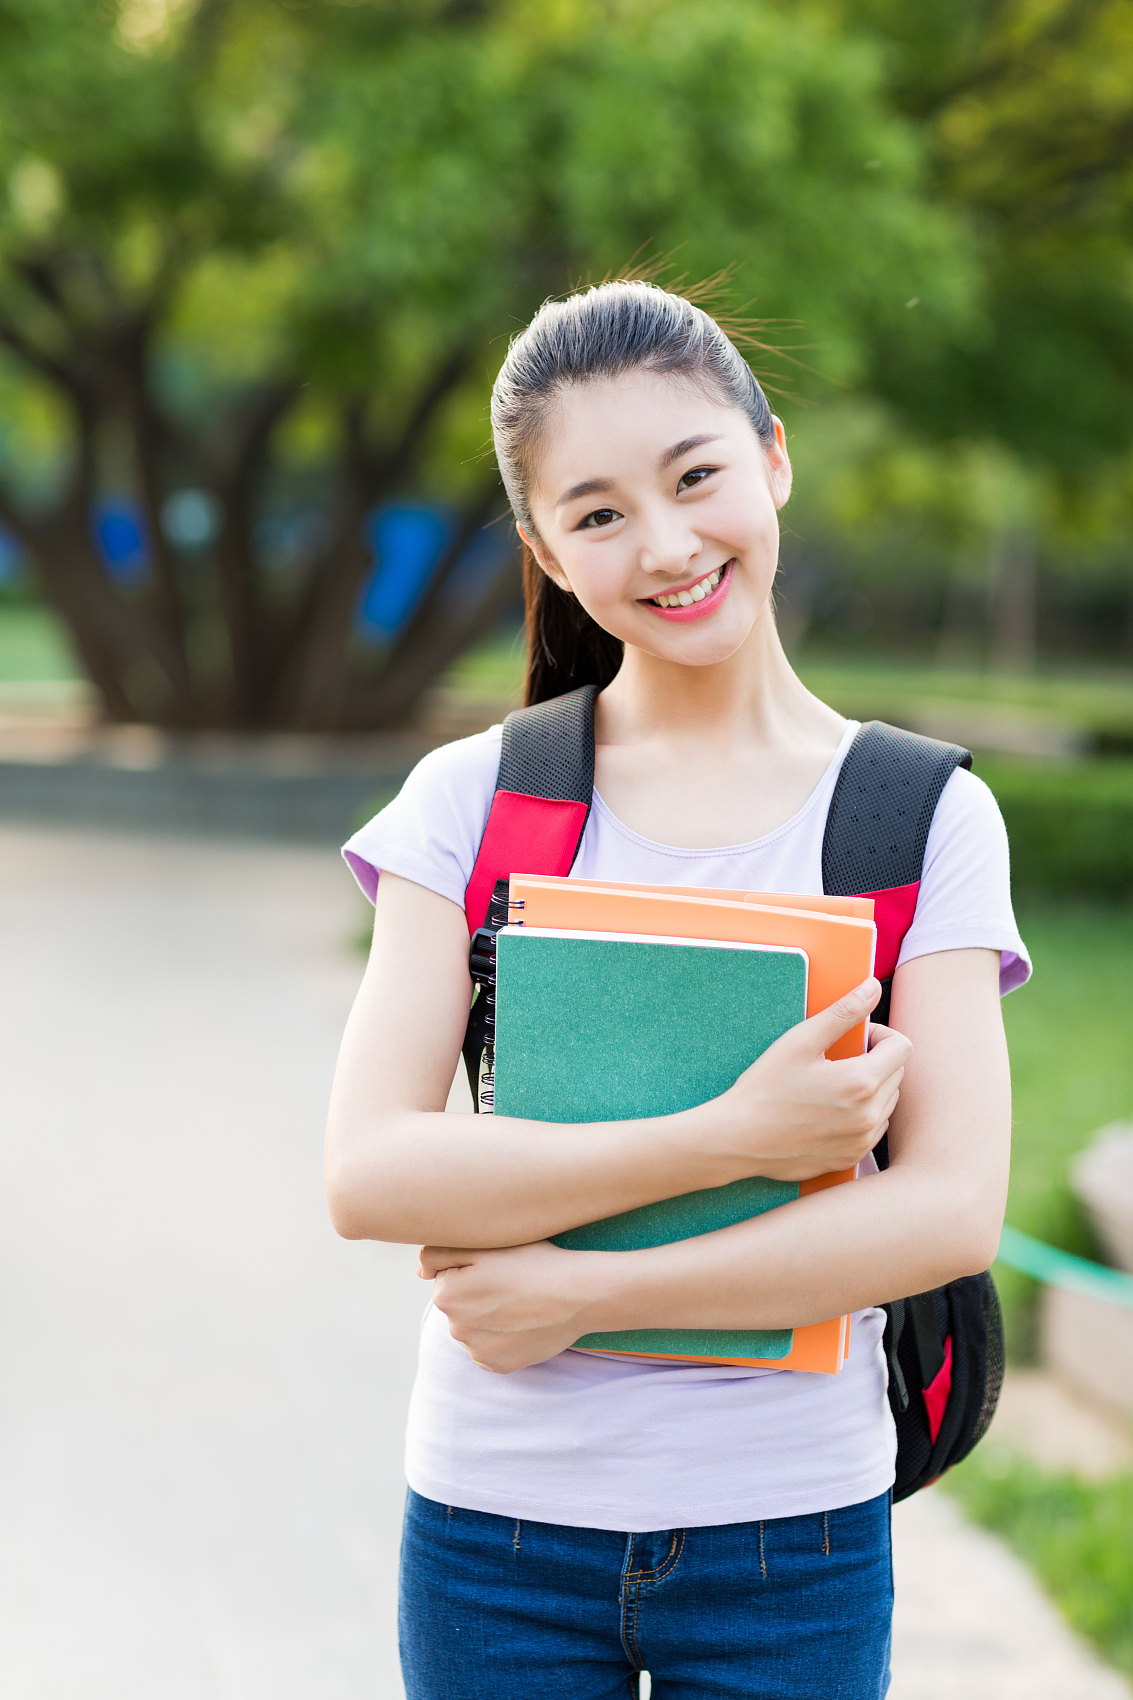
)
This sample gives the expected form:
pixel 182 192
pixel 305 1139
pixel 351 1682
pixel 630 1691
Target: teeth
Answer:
pixel 685 598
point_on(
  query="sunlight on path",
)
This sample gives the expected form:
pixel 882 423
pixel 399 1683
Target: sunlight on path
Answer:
pixel 200 1453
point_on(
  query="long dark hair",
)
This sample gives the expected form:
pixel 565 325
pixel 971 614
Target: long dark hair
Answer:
pixel 598 333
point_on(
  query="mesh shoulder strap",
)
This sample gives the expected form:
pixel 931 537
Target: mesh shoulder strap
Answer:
pixel 882 808
pixel 548 751
pixel 877 828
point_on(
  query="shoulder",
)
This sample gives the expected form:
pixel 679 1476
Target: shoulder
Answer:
pixel 459 773
pixel 967 821
pixel 964 900
pixel 431 830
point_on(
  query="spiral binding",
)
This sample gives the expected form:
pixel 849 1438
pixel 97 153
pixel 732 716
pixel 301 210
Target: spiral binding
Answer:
pixel 482 964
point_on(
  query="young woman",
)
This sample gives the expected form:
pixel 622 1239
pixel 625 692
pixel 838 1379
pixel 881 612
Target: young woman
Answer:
pixel 574 1519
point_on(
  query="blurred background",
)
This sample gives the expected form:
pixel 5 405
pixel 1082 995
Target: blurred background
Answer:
pixel 259 262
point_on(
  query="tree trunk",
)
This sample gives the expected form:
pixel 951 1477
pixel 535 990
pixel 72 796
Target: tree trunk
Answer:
pixel 110 640
pixel 244 612
pixel 287 668
pixel 389 701
pixel 1013 614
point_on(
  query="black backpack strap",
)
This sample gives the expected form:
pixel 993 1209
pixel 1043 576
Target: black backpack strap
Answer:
pixel 544 793
pixel 548 751
pixel 877 828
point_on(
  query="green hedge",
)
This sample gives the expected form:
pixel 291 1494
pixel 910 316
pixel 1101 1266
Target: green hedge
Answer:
pixel 1070 824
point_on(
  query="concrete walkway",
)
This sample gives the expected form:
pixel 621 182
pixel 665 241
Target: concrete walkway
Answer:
pixel 204 1390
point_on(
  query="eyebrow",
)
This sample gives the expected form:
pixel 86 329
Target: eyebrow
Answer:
pixel 588 487
pixel 600 486
pixel 686 446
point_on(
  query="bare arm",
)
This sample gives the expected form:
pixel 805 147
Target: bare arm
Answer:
pixel 399 1168
pixel 934 1215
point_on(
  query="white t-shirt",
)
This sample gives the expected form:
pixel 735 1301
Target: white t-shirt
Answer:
pixel 633 1445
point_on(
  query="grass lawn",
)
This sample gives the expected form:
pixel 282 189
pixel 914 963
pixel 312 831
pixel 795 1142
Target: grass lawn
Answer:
pixel 1091 699
pixel 1071 1037
pixel 33 646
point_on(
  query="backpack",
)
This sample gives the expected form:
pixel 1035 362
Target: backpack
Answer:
pixel 943 1348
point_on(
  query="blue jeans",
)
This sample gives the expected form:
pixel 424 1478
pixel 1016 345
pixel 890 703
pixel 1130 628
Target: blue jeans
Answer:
pixel 793 1608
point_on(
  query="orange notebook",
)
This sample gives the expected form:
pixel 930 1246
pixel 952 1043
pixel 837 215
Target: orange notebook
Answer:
pixel 840 947
pixel 823 904
pixel 838 935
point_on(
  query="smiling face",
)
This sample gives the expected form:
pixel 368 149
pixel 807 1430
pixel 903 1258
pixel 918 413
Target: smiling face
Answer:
pixel 656 506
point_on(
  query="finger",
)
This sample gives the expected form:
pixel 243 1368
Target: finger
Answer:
pixel 887 1056
pixel 890 1107
pixel 434 1258
pixel 825 1028
pixel 881 1037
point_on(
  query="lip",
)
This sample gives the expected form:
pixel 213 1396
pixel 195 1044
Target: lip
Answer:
pixel 695 610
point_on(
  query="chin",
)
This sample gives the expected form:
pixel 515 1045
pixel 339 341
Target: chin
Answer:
pixel 709 650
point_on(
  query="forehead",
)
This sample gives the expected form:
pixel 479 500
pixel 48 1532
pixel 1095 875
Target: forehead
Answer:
pixel 620 427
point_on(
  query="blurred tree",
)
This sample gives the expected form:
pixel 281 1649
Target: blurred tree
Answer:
pixel 258 247
pixel 1026 107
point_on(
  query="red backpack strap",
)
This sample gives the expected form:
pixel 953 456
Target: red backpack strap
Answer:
pixel 877 828
pixel 544 792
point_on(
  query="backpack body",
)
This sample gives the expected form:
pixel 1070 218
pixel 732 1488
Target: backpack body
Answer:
pixel 944 1348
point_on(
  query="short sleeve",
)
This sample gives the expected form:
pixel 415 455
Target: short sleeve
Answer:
pixel 431 832
pixel 964 900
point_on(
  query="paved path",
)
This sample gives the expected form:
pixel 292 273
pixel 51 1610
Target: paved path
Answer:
pixel 200 1429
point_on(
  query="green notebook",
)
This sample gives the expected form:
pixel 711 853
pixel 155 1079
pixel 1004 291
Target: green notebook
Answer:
pixel 604 1027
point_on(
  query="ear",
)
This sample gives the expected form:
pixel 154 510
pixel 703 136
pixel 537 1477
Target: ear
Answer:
pixel 779 465
pixel 545 559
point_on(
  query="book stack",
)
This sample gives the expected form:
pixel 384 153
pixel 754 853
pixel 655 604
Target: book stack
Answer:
pixel 622 1001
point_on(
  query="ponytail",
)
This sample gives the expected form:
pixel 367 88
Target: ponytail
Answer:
pixel 565 647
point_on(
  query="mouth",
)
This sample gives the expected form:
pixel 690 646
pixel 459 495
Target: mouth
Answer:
pixel 693 601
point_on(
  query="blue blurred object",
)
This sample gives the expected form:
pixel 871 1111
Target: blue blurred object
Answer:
pixel 407 544
pixel 119 532
pixel 11 557
pixel 191 519
pixel 408 541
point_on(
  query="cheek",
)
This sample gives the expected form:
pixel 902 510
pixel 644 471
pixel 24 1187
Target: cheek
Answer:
pixel 748 523
pixel 598 576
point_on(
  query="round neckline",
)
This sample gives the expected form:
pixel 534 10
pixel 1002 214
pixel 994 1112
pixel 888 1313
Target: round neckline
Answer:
pixel 852 727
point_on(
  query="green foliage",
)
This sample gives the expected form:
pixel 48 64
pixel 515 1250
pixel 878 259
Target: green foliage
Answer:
pixel 1070 825
pixel 1016 430
pixel 245 240
pixel 1074 1534
pixel 1025 108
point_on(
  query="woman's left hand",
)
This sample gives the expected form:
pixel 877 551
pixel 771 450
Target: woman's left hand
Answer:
pixel 514 1307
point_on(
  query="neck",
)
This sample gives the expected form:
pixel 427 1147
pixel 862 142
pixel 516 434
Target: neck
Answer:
pixel 754 696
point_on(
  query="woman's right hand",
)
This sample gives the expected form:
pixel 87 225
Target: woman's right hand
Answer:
pixel 795 1115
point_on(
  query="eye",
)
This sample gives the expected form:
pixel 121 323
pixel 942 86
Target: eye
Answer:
pixel 697 475
pixel 600 517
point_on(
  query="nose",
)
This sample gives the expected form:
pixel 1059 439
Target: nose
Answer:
pixel 667 544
